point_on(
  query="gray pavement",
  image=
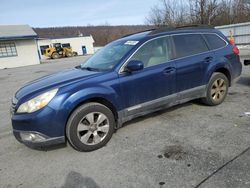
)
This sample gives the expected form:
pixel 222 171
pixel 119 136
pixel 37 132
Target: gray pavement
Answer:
pixel 190 145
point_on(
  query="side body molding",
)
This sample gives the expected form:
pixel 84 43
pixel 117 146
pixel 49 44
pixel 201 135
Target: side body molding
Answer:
pixel 161 103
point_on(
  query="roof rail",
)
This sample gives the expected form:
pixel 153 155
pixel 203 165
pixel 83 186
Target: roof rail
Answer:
pixel 138 32
pixel 198 26
pixel 185 27
pixel 162 29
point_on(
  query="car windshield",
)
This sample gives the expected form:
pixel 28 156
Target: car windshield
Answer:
pixel 109 56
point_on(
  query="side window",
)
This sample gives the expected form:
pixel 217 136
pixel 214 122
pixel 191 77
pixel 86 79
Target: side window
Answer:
pixel 190 44
pixel 43 48
pixel 154 52
pixel 214 41
pixel 66 45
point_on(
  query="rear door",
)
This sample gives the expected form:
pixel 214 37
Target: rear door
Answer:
pixel 224 53
pixel 191 54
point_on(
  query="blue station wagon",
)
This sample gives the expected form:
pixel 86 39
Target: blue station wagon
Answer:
pixel 129 77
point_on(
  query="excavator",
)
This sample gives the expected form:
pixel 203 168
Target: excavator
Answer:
pixel 57 51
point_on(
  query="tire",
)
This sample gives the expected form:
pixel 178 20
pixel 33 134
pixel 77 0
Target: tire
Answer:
pixel 55 55
pixel 90 127
pixel 69 54
pixel 217 89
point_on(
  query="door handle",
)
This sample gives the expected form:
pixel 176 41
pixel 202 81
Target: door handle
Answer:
pixel 169 70
pixel 208 59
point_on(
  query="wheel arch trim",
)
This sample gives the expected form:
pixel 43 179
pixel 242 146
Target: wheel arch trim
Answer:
pixel 222 68
pixel 104 96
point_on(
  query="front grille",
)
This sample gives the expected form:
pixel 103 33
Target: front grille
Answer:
pixel 13 105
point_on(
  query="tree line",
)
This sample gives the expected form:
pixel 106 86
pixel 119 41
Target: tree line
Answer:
pixel 209 12
pixel 101 34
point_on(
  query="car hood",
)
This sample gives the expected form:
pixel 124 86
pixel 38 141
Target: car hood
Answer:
pixel 53 81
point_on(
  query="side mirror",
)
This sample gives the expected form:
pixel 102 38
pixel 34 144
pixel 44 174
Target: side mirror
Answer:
pixel 134 65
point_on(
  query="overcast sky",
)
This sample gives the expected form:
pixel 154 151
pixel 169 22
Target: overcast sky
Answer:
pixel 46 13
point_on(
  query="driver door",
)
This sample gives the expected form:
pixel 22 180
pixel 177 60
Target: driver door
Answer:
pixel 153 86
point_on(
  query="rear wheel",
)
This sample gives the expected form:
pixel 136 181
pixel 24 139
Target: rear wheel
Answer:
pixel 69 54
pixel 217 89
pixel 90 127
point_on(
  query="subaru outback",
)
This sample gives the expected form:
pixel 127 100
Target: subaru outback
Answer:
pixel 130 77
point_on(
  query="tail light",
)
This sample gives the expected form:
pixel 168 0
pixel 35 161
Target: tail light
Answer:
pixel 236 50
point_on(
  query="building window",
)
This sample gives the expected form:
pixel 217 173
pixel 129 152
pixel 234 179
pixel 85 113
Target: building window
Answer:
pixel 7 49
pixel 66 45
pixel 43 48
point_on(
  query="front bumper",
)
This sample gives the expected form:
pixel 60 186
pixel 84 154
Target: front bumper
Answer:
pixel 35 139
pixel 42 128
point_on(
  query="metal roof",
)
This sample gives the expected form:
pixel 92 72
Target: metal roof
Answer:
pixel 240 32
pixel 10 32
pixel 53 38
pixel 233 25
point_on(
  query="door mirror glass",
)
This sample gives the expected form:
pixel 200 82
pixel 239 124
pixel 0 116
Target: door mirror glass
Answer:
pixel 134 65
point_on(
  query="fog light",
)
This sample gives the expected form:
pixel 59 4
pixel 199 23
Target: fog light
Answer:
pixel 31 137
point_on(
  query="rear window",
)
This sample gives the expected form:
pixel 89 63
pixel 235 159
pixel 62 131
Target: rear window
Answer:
pixel 190 44
pixel 214 41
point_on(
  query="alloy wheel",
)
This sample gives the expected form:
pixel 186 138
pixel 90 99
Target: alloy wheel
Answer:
pixel 93 128
pixel 218 90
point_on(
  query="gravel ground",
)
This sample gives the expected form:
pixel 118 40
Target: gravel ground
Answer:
pixel 190 145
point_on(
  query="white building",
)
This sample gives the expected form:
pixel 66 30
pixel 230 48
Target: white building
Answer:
pixel 241 34
pixel 83 45
pixel 17 46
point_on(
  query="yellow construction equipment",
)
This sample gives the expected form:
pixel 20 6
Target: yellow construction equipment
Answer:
pixel 57 51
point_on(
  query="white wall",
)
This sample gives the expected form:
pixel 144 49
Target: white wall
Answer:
pixel 27 54
pixel 75 42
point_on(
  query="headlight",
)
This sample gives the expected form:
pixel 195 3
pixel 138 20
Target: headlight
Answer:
pixel 37 102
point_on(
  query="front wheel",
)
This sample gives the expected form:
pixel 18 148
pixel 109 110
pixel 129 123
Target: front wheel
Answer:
pixel 55 55
pixel 217 89
pixel 90 127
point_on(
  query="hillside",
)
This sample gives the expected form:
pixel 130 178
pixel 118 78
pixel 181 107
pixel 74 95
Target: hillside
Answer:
pixel 101 34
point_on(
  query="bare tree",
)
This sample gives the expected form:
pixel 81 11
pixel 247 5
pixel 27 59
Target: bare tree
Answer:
pixel 203 11
pixel 168 13
pixel 210 12
pixel 225 13
pixel 155 16
pixel 241 11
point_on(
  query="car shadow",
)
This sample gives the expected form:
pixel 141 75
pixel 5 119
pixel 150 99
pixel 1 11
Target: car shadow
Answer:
pixel 75 179
pixel 244 81
pixel 160 112
pixel 48 148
